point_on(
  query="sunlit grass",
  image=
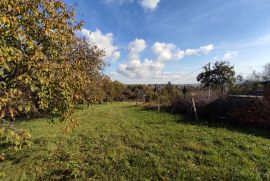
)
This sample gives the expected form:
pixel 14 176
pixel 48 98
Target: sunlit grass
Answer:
pixel 121 141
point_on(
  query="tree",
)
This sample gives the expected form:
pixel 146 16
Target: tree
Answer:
pixel 169 88
pixel 87 62
pixel 254 77
pixel 118 90
pixel 157 95
pixel 128 93
pixel 184 91
pixel 149 93
pixel 266 73
pixel 107 89
pixel 44 67
pixel 221 75
pixel 137 93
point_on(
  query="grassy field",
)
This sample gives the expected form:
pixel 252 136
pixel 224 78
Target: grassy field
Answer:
pixel 123 142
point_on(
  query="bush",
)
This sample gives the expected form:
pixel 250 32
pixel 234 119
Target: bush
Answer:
pixel 239 110
pixel 256 113
pixel 183 105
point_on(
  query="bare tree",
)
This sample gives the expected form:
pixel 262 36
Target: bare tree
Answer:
pixel 266 72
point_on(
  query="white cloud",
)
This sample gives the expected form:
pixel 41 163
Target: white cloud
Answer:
pixel 146 4
pixel 135 48
pixel 149 4
pixel 134 67
pixel 138 69
pixel 228 56
pixel 202 50
pixel 102 41
pixel 167 51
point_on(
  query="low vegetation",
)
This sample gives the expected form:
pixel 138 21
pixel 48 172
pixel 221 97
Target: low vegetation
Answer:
pixel 122 141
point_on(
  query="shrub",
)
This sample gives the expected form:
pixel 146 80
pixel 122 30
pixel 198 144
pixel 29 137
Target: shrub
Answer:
pixel 181 105
pixel 239 110
pixel 256 112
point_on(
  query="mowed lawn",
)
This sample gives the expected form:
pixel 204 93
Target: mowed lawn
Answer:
pixel 123 142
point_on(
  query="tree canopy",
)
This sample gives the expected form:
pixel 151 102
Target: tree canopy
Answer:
pixel 44 66
pixel 222 74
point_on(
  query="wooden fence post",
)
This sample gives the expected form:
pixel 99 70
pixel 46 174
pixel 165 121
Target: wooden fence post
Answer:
pixel 194 109
pixel 158 104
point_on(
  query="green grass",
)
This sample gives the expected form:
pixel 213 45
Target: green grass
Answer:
pixel 122 142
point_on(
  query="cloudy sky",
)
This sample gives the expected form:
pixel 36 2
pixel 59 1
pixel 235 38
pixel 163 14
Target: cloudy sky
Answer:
pixel 156 41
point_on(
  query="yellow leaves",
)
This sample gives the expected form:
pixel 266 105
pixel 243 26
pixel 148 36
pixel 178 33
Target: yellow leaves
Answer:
pixel 17 138
pixel 3 20
pixel 36 13
pixel 3 101
pixel 18 10
pixel 76 96
pixel 6 22
pixel 2 158
pixel 28 108
pixel 28 80
pixel 33 88
pixel 2 174
pixel 10 93
pixel 9 7
pixel 12 112
pixel 20 108
pixel 2 114
pixel 30 44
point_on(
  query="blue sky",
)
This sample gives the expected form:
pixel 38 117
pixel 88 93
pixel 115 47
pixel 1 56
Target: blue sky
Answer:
pixel 156 41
